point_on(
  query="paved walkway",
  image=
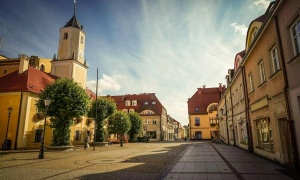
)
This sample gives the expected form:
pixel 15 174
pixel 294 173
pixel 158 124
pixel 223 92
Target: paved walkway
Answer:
pixel 205 160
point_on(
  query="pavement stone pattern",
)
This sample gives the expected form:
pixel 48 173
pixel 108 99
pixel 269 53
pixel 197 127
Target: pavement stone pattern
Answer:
pixel 204 160
pixel 173 160
pixel 132 161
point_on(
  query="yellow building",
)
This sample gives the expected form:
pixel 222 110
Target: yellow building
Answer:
pixel 22 78
pixel 202 110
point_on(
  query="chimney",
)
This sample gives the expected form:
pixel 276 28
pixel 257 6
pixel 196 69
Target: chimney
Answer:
pixel 220 87
pixel 203 86
pixel 24 63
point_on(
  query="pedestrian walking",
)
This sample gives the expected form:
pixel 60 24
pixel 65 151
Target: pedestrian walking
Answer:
pixel 86 142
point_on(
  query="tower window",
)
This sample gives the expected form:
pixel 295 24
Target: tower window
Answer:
pixel 81 39
pixel 65 35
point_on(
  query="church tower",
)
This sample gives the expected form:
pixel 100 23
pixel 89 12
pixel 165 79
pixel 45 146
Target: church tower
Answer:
pixel 70 60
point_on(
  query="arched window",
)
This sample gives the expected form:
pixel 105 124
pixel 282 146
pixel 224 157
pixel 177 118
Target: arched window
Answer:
pixel 65 35
pixel 42 67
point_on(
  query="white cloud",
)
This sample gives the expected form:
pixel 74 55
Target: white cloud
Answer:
pixel 239 28
pixel 261 3
pixel 109 83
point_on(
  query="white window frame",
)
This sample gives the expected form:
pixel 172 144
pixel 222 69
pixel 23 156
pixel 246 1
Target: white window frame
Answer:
pixel 262 73
pixel 251 82
pixel 242 91
pixel 134 103
pixel 127 103
pixel 275 59
pixel 296 37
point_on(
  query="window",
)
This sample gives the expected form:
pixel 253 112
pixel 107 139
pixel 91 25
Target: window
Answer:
pixel 262 72
pixel 4 71
pixel 275 60
pixel 196 109
pixel 295 32
pixel 38 135
pixel 65 35
pixel 134 103
pixel 81 39
pixel 43 67
pixel 237 96
pixel 233 100
pixel 146 102
pixel 153 102
pixel 244 133
pixel 125 110
pixel 131 110
pixel 127 103
pixel 251 82
pixel 241 91
pixel 77 135
pixel 254 32
pixel 197 121
pixel 154 121
pixel 264 134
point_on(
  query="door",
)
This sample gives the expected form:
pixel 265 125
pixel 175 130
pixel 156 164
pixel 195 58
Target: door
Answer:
pixel 198 135
pixel 285 140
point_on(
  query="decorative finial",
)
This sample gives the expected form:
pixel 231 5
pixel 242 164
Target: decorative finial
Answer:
pixel 74 7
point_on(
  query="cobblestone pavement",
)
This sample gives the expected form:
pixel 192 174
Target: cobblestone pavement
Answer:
pixel 143 161
pixel 133 161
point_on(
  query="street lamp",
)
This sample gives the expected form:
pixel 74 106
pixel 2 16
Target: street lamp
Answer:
pixel 42 149
pixel 6 143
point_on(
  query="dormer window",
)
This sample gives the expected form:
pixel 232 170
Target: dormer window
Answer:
pixel 196 109
pixel 134 103
pixel 127 103
pixel 153 102
pixel 65 35
pixel 146 102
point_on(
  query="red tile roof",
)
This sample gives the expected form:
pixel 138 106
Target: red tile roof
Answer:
pixel 203 98
pixel 91 94
pixel 32 80
pixel 141 99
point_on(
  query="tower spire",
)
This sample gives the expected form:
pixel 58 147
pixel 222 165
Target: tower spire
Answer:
pixel 74 7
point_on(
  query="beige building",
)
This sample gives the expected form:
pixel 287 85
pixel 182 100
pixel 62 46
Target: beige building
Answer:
pixel 256 98
pixel 287 23
pixel 151 110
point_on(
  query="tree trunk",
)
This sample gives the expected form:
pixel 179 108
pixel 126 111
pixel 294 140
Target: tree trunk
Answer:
pixel 61 136
pixel 121 140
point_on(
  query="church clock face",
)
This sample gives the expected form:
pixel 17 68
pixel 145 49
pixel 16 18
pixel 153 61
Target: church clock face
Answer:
pixel 81 53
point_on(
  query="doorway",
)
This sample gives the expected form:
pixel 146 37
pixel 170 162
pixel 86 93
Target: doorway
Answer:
pixel 285 140
pixel 198 135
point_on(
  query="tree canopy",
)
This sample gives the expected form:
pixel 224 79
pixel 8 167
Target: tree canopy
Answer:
pixel 136 124
pixel 119 123
pixel 68 101
pixel 106 106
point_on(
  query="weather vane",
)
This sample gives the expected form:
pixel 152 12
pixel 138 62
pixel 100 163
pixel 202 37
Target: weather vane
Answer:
pixel 74 7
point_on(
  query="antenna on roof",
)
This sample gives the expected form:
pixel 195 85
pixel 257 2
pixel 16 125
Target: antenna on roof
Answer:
pixel 74 7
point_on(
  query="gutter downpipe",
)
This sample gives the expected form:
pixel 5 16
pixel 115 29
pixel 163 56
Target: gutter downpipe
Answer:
pixel 248 123
pixel 285 89
pixel 19 117
pixel 234 143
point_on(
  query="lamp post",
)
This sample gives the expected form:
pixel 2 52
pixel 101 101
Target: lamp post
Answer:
pixel 42 149
pixel 6 141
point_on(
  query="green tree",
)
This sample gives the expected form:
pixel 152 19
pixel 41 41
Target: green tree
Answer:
pixel 119 123
pixel 68 101
pixel 136 124
pixel 106 106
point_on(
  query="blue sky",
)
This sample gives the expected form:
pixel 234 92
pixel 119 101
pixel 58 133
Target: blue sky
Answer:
pixel 167 47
